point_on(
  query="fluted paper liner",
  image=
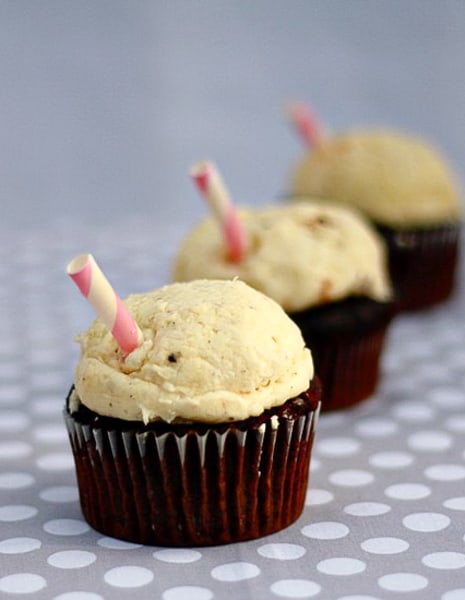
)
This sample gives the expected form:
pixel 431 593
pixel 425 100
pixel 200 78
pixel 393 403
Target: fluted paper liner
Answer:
pixel 347 340
pixel 422 263
pixel 220 485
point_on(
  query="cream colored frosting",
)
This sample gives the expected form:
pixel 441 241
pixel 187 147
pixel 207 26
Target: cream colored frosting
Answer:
pixel 212 351
pixel 300 255
pixel 392 178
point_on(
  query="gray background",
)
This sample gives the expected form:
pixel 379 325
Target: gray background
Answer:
pixel 105 104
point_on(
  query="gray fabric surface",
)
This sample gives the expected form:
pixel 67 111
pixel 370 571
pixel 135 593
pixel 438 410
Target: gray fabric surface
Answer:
pixel 387 489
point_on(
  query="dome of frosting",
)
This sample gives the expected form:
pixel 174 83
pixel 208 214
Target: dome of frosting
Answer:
pixel 393 178
pixel 301 255
pixel 212 351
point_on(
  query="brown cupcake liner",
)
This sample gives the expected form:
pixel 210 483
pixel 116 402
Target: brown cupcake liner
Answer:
pixel 346 339
pixel 422 263
pixel 349 368
pixel 195 487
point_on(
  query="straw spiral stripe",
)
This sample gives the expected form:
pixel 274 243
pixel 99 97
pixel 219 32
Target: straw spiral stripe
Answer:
pixel 306 123
pixel 211 186
pixel 94 286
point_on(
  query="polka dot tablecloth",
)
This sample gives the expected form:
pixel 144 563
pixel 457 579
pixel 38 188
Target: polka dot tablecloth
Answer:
pixel 385 510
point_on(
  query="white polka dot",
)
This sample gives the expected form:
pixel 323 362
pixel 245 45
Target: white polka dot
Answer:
pixel 281 551
pixel 447 398
pixel 295 588
pixel 15 480
pixel 407 491
pixel 413 412
pixel 426 521
pixel 71 559
pixel 60 493
pixel 429 441
pixel 17 512
pixel 59 461
pixel 351 477
pixel 325 530
pixel 358 597
pixel 402 582
pixel 19 545
pixel 376 427
pixel 315 497
pixel 235 571
pixel 114 544
pixel 13 421
pixel 455 503
pixel 337 446
pixel 192 592
pixel 78 596
pixel 458 594
pixel 367 509
pixel 385 545
pixel 177 555
pixel 128 576
pixel 22 583
pixel 14 449
pixel 315 464
pixel 456 423
pixel 444 560
pixel 66 527
pixel 341 566
pixel 391 460
pixel 51 433
pixel 445 472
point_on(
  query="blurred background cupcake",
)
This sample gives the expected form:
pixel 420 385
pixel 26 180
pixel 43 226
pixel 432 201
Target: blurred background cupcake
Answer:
pixel 404 186
pixel 323 263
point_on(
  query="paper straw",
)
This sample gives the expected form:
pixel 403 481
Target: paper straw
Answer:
pixel 94 286
pixel 211 186
pixel 306 124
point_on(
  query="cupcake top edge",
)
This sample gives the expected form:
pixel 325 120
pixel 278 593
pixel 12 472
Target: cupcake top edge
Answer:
pixel 395 179
pixel 301 255
pixel 212 351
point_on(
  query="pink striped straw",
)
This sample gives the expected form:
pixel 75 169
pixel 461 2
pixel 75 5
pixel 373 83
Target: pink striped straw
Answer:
pixel 211 186
pixel 306 124
pixel 94 286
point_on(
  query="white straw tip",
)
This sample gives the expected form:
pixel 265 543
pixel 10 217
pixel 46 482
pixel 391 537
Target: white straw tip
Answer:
pixel 201 168
pixel 78 263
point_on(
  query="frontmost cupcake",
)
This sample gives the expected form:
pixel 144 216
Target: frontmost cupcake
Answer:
pixel 403 185
pixel 327 268
pixel 202 434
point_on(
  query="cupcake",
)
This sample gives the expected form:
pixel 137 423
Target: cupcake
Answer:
pixel 405 188
pixel 327 268
pixel 202 434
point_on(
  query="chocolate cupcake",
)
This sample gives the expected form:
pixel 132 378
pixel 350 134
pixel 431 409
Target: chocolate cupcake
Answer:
pixel 404 187
pixel 327 268
pixel 201 435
